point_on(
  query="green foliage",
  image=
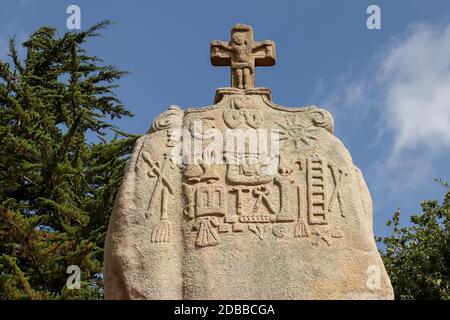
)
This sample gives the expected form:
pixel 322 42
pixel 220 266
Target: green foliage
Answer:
pixel 57 188
pixel 417 257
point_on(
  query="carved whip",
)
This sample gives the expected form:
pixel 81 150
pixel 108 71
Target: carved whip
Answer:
pixel 301 227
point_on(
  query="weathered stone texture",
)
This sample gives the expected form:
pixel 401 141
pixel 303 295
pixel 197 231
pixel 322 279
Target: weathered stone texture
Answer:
pixel 294 225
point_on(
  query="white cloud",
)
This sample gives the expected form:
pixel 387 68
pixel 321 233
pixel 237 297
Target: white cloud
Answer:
pixel 408 84
pixel 414 75
pixel 402 99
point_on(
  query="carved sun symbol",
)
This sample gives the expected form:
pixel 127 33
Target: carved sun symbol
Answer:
pixel 294 133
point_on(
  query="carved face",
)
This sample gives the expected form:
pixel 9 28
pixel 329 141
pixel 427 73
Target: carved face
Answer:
pixel 238 39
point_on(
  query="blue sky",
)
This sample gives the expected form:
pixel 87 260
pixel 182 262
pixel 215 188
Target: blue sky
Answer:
pixel 388 89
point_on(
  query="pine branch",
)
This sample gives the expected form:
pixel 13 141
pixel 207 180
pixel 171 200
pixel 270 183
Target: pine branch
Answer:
pixel 23 177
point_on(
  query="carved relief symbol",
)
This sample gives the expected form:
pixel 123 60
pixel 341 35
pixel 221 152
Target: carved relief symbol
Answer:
pixel 189 208
pixel 234 218
pixel 285 214
pixel 318 237
pixel 166 121
pixel 161 230
pixel 210 203
pixel 258 229
pixel 262 200
pixel 206 235
pixel 279 231
pixel 321 200
pixel 261 193
pixel 301 229
pixel 317 204
pixel 203 166
pixel 247 169
pixel 210 200
pixel 294 132
pixel 337 175
pixel 242 111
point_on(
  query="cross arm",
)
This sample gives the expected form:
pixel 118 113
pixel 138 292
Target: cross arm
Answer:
pixel 264 53
pixel 220 53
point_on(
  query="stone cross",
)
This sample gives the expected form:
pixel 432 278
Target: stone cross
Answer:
pixel 243 54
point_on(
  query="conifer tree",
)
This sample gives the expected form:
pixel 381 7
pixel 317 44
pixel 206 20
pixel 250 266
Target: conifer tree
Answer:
pixel 57 187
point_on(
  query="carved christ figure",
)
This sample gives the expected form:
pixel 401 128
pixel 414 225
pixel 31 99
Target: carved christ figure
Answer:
pixel 242 54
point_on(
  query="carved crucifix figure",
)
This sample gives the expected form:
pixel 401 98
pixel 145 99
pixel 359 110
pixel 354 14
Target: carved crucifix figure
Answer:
pixel 243 54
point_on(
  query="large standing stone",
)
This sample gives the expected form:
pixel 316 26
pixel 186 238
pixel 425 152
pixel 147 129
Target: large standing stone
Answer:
pixel 243 199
